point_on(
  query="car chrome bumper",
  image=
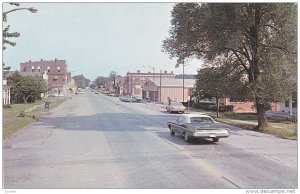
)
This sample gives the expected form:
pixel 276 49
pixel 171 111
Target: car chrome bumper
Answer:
pixel 177 110
pixel 210 135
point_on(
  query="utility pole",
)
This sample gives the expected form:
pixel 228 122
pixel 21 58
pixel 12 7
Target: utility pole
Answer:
pixel 183 80
pixel 160 86
pixel 131 85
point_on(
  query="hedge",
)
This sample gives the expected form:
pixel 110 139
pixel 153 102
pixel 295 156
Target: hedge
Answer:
pixel 212 107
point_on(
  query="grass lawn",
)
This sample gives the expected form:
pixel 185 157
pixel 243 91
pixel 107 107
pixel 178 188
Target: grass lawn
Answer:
pixel 286 130
pixel 12 123
pixel 283 129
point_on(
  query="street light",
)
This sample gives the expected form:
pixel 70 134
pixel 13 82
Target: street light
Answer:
pixel 153 69
pixel 31 9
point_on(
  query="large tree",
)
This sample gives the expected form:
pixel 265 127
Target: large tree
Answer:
pixel 259 38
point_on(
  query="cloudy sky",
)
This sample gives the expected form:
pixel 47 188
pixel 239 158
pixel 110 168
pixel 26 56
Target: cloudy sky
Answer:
pixel 94 38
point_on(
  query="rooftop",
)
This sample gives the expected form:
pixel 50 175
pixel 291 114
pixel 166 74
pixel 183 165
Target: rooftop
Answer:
pixel 174 82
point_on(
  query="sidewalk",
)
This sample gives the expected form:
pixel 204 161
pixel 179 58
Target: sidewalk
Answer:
pixel 209 113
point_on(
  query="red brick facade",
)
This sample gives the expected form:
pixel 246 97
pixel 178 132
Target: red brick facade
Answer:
pixel 57 71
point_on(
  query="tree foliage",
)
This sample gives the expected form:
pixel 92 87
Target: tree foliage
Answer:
pixel 217 82
pixel 100 81
pixel 259 40
pixel 81 81
pixel 6 34
pixel 26 88
pixel 112 75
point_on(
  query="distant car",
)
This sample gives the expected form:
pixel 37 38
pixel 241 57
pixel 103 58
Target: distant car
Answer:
pixel 105 92
pixel 52 95
pixel 129 98
pixel 175 107
pixel 198 126
pixel 96 92
pixel 81 92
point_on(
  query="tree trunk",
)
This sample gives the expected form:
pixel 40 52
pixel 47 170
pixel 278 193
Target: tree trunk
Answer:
pixel 24 99
pixel 261 115
pixel 218 107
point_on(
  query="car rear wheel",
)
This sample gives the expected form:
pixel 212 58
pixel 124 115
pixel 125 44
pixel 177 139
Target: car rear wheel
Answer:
pixel 187 138
pixel 171 131
pixel 215 139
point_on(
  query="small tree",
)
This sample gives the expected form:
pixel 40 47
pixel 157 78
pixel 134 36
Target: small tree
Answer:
pixel 26 89
pixel 100 81
pixel 112 76
pixel 81 81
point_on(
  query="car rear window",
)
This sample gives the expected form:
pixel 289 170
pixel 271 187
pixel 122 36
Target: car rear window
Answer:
pixel 176 104
pixel 201 120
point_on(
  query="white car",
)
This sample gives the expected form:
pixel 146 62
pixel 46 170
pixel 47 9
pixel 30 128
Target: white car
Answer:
pixel 129 98
pixel 198 126
pixel 175 107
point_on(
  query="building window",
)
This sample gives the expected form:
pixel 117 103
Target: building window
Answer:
pixel 236 100
pixel 55 78
pixel 286 103
pixel 58 69
pixel 32 68
pixel 48 69
pixel 294 103
pixel 294 99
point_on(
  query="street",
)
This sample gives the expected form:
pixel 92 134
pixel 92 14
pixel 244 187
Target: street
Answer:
pixel 97 141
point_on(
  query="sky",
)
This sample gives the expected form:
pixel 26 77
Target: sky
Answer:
pixel 94 38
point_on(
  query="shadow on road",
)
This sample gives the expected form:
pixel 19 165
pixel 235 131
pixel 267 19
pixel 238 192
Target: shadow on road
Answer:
pixel 119 122
pixel 178 139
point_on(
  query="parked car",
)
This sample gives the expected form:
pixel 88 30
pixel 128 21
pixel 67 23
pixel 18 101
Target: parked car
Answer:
pixel 129 98
pixel 198 126
pixel 105 92
pixel 53 95
pixel 175 107
pixel 96 92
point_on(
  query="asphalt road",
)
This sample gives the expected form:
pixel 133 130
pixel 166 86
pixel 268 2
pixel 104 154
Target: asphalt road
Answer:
pixel 97 141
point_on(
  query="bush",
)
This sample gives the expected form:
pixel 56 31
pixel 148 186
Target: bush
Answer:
pixel 212 107
pixel 22 114
pixel 6 106
pixel 201 105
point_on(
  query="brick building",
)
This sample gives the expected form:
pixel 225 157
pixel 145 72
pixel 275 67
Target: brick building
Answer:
pixel 56 71
pixel 161 90
pixel 134 82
